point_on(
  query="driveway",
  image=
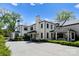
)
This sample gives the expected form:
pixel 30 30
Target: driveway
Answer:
pixel 21 48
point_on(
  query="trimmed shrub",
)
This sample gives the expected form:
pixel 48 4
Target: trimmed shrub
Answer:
pixel 19 38
pixel 26 37
pixel 62 42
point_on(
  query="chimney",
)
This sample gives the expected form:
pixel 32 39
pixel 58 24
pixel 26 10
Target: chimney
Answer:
pixel 38 19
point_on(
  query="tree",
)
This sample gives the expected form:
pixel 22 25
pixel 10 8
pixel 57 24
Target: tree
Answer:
pixel 9 19
pixel 64 16
pixel 14 19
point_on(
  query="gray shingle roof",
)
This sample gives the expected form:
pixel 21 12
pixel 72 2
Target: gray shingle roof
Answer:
pixel 70 22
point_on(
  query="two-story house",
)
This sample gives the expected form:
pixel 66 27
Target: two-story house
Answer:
pixel 43 29
pixel 39 30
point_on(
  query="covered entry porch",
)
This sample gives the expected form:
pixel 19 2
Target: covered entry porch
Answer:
pixel 32 35
pixel 64 34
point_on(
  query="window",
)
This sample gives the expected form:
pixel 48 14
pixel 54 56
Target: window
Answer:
pixel 41 35
pixel 25 28
pixel 31 35
pixel 72 35
pixel 31 28
pixel 47 35
pixel 47 25
pixel 41 25
pixel 51 35
pixel 51 26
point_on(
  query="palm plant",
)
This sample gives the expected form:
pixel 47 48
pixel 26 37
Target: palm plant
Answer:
pixel 64 16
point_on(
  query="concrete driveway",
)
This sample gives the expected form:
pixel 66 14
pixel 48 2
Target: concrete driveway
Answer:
pixel 21 48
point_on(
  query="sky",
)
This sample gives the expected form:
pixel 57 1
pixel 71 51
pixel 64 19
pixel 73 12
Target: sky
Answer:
pixel 47 11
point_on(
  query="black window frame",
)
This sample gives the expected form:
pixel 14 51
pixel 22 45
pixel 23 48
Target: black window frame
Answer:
pixel 31 28
pixel 47 25
pixel 25 28
pixel 41 25
pixel 31 35
pixel 41 35
pixel 51 26
pixel 47 35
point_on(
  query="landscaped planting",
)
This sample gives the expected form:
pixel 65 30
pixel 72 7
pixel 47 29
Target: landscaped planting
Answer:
pixel 62 42
pixel 4 51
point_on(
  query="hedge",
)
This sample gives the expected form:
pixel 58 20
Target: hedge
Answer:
pixel 62 42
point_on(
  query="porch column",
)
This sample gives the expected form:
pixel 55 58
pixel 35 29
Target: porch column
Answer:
pixel 68 35
pixel 74 35
pixel 56 35
pixel 53 35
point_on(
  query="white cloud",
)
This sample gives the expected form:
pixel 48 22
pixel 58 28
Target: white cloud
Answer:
pixel 14 4
pixel 51 20
pixel 46 19
pixel 77 6
pixel 32 4
pixel 41 3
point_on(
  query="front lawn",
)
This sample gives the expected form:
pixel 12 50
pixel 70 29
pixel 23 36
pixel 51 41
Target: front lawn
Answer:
pixel 62 42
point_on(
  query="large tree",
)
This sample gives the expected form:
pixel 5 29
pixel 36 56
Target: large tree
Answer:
pixel 64 16
pixel 9 19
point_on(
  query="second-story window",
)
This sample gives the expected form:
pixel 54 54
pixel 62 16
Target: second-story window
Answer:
pixel 41 25
pixel 47 25
pixel 51 26
pixel 31 28
pixel 25 28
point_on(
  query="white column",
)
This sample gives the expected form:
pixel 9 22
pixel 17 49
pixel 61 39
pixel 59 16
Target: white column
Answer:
pixel 56 35
pixel 68 34
pixel 74 35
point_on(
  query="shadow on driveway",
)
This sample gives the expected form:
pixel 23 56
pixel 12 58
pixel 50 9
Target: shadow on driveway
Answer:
pixel 37 41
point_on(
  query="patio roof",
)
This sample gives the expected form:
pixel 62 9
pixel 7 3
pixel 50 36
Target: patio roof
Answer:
pixel 59 29
pixel 32 31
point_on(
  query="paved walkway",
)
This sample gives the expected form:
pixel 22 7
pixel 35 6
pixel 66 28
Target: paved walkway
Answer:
pixel 22 48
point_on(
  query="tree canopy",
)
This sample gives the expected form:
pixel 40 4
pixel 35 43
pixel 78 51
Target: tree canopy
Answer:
pixel 9 19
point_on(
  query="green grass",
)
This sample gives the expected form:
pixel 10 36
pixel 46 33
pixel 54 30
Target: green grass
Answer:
pixel 62 42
